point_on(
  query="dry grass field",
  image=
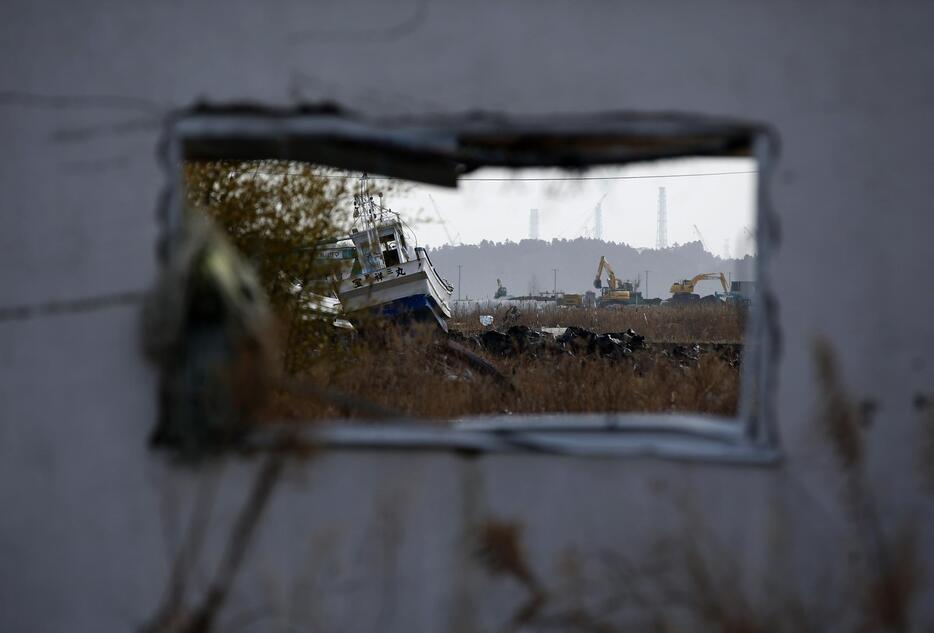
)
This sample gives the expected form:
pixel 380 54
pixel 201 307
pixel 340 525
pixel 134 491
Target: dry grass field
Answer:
pixel 690 361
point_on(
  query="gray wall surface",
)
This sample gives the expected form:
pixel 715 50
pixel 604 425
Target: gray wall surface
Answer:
pixel 358 540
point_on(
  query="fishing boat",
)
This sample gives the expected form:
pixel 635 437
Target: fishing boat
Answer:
pixel 389 276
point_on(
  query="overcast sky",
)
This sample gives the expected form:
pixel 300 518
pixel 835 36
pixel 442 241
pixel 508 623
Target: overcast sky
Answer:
pixel 720 205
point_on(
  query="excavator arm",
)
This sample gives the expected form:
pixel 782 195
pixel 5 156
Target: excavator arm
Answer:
pixel 703 276
pixel 690 285
pixel 597 281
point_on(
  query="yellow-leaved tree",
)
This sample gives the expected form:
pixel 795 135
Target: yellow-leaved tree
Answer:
pixel 279 215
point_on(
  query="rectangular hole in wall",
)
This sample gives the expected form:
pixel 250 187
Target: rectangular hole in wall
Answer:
pixel 487 276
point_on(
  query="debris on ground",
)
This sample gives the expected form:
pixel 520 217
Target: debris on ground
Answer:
pixel 681 351
pixel 553 332
pixel 631 339
pixel 475 361
pixel 512 316
pixel 521 340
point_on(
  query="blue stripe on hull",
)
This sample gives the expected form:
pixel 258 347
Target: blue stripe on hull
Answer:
pixel 416 307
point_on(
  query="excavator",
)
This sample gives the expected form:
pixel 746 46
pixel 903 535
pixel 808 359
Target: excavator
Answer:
pixel 613 293
pixel 500 290
pixel 683 291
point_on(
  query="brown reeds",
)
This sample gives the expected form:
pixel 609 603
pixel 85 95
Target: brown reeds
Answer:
pixel 406 371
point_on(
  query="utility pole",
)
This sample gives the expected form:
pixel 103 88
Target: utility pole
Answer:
pixel 458 282
pixel 647 283
pixel 556 280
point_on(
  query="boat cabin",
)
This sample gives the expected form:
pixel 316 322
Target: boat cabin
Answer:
pixel 383 246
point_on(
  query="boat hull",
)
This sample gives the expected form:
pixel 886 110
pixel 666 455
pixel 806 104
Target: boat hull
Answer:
pixel 414 308
pixel 412 289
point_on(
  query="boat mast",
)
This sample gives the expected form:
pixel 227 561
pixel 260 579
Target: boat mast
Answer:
pixel 372 217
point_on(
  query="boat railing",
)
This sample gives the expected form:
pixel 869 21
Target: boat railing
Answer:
pixel 419 251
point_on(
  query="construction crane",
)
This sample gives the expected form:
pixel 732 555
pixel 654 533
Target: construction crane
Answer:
pixel 683 291
pixel 750 238
pixel 444 225
pixel 612 293
pixel 701 238
pixel 585 229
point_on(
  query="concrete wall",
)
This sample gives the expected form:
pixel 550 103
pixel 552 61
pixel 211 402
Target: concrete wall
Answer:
pixel 358 540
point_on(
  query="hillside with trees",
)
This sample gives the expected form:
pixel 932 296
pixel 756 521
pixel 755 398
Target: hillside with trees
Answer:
pixel 526 267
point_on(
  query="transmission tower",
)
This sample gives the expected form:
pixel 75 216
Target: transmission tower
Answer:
pixel 533 224
pixel 598 220
pixel 661 235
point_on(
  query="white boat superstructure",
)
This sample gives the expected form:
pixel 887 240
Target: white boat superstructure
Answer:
pixel 389 276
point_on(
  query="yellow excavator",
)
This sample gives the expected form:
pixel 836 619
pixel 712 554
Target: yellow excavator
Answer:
pixel 683 291
pixel 612 293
